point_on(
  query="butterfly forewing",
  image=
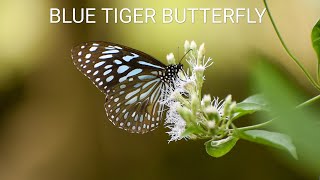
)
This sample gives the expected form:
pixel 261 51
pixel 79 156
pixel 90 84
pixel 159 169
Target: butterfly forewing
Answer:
pixel 130 80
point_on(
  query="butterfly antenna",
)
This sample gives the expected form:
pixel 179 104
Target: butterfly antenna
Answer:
pixel 185 55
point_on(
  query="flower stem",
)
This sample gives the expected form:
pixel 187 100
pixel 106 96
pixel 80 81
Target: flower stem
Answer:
pixel 313 82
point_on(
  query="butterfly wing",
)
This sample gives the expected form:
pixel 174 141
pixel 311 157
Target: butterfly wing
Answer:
pixel 129 78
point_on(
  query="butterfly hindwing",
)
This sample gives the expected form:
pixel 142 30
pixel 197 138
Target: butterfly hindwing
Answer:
pixel 136 110
pixel 129 78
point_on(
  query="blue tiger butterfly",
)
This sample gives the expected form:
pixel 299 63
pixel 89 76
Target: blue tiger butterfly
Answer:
pixel 133 82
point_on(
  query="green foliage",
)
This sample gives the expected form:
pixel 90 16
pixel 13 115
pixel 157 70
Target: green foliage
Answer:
pixel 250 105
pixel 272 139
pixel 221 147
pixel 315 37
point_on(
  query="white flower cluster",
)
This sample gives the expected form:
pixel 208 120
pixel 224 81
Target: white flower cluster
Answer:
pixel 185 96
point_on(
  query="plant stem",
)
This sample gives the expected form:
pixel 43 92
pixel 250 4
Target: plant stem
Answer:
pixel 255 126
pixel 313 82
pixel 310 101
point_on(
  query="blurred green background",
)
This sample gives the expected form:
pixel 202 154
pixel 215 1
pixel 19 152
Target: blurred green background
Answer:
pixel 52 117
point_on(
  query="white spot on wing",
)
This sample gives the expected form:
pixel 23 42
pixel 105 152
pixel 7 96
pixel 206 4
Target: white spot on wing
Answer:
pixel 88 56
pixel 93 49
pixel 109 78
pixel 117 61
pixel 122 69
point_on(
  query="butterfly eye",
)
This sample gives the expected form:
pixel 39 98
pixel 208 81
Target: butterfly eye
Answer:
pixel 133 82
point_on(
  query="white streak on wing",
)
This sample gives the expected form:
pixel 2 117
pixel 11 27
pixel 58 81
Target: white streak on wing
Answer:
pixel 148 83
pixel 99 64
pixel 123 79
pixel 107 72
pixel 93 49
pixel 131 101
pixel 105 56
pixel 114 51
pixel 146 77
pixel 129 95
pixel 149 64
pixel 143 95
pixel 134 72
pixel 108 66
pixel 155 94
pixel 137 85
pixel 155 73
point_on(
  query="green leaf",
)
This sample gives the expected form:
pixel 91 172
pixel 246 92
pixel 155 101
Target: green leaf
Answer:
pixel 302 125
pixel 221 147
pixel 315 37
pixel 250 105
pixel 191 130
pixel 272 139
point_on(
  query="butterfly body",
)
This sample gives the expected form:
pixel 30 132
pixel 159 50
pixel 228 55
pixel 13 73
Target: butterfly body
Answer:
pixel 133 82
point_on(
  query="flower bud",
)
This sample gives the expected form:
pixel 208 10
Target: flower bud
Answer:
pixel 193 45
pixel 227 103
pixel 201 52
pixel 206 100
pixel 185 113
pixel 199 71
pixel 211 124
pixel 233 106
pixel 194 103
pixel 186 46
pixel 170 58
pixel 212 113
